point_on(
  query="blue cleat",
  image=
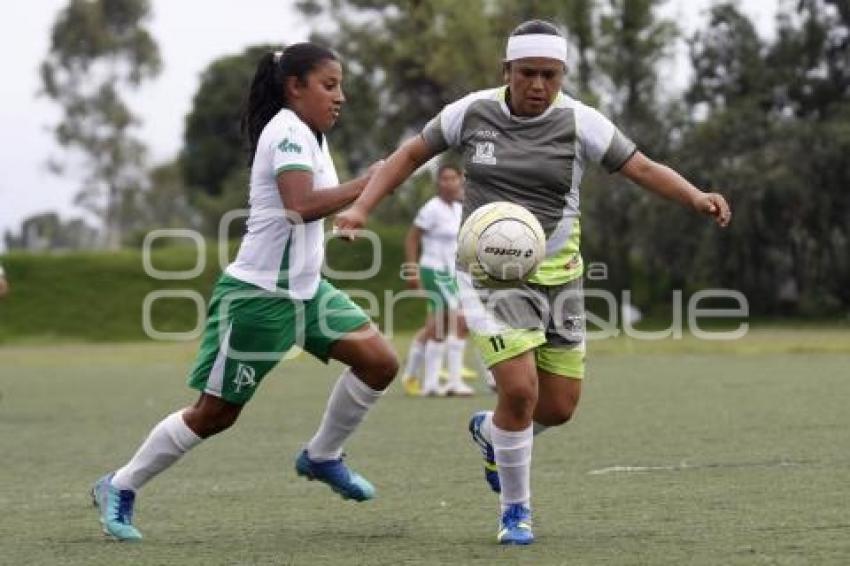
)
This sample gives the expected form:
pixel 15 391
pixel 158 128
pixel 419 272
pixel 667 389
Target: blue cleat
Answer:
pixel 349 484
pixel 116 509
pixel 515 527
pixel 491 472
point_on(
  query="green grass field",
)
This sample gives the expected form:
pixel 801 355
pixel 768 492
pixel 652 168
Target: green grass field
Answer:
pixel 682 453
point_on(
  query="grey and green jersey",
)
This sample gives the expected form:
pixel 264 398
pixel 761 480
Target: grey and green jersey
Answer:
pixel 535 162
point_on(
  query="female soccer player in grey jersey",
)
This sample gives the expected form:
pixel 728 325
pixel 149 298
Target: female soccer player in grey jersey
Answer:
pixel 528 143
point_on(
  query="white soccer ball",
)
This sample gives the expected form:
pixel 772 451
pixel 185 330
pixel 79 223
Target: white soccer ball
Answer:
pixel 501 244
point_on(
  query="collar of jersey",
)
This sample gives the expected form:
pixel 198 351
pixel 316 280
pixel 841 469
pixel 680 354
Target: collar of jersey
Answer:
pixel 317 135
pixel 502 95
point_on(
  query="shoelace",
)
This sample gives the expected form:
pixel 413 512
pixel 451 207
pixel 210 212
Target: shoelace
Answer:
pixel 125 506
pixel 514 515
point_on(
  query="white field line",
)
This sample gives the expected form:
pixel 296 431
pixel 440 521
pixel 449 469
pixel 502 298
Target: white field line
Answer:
pixel 616 469
pixel 682 466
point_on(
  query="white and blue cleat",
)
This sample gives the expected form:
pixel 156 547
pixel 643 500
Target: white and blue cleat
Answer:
pixel 340 478
pixel 491 472
pixel 515 525
pixel 116 509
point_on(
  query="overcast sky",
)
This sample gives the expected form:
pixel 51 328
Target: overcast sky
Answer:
pixel 190 34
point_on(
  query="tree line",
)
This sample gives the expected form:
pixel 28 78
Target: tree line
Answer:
pixel 765 121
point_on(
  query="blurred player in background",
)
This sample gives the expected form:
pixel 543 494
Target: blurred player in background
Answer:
pixel 529 143
pixel 432 240
pixel 4 285
pixel 272 297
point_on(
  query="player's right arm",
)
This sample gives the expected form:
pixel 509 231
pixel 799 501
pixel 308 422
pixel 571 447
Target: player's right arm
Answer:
pixel 300 197
pixel 411 256
pixel 441 133
pixel 409 157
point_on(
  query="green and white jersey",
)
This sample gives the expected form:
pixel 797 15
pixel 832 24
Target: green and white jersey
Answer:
pixel 278 252
pixel 440 222
pixel 535 162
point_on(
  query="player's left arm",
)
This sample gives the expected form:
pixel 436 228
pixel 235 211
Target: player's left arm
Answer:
pixel 668 183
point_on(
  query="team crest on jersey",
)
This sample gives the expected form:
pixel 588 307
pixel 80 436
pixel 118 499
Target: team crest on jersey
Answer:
pixel 287 146
pixel 245 377
pixel 485 153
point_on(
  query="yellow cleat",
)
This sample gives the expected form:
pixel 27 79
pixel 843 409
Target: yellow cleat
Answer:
pixel 467 374
pixel 411 386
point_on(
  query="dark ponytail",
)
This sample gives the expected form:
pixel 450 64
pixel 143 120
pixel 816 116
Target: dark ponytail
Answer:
pixel 268 95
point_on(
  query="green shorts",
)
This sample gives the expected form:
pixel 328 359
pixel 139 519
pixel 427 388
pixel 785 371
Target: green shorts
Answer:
pixel 441 288
pixel 249 330
pixel 546 319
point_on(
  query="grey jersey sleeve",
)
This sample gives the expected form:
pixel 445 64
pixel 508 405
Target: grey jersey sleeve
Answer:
pixel 444 130
pixel 433 135
pixel 601 141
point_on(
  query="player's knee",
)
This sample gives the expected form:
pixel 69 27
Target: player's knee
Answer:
pixel 560 415
pixel 519 398
pixel 381 367
pixel 219 422
pixel 556 413
pixel 207 421
pixel 387 366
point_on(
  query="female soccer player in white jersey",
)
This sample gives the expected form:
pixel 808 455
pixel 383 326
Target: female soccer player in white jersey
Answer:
pixel 272 296
pixel 528 143
pixel 434 234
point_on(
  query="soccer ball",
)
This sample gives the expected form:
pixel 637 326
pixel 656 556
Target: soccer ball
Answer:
pixel 501 244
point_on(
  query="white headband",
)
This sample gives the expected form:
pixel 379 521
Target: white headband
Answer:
pixel 536 45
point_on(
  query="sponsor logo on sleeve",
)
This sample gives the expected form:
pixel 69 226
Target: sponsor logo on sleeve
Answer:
pixel 288 146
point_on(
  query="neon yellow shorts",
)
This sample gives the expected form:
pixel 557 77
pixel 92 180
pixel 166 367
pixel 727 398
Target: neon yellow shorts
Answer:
pixel 547 319
pixel 560 360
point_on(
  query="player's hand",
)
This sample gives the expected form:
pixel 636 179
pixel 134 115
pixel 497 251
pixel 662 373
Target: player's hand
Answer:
pixel 348 222
pixel 714 205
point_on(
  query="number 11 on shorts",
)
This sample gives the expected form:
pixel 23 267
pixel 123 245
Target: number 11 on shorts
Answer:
pixel 497 342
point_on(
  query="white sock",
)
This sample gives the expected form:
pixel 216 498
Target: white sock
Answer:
pixel 487 424
pixel 348 404
pixel 433 362
pixel 165 444
pixel 454 359
pixel 513 457
pixel 415 356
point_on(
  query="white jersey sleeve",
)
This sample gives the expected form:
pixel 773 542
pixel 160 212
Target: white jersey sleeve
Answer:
pixel 291 148
pixel 425 218
pixel 601 142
